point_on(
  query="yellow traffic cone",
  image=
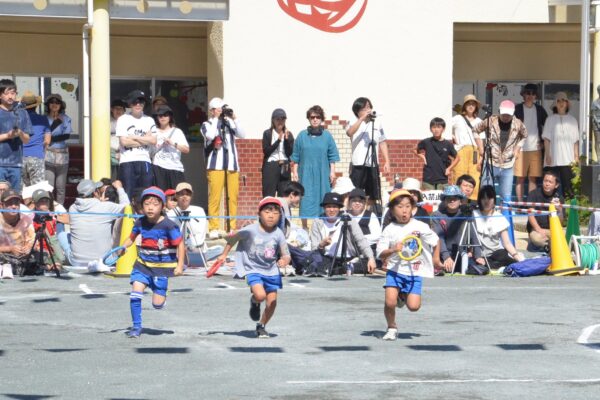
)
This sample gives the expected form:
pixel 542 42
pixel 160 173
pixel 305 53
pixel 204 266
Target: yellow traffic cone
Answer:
pixel 126 261
pixel 562 262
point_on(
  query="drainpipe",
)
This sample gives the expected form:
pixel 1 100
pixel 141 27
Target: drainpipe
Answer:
pixel 85 97
pixel 584 77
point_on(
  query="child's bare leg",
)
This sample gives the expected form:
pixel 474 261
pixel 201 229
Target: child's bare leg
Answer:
pixel 258 292
pixel 158 301
pixel 389 309
pixel 413 302
pixel 270 308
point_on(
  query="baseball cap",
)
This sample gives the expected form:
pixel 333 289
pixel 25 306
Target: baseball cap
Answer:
pixel 135 95
pixel 507 107
pixel 269 200
pixel 400 192
pixel 170 192
pixel 163 109
pixel 332 198
pixel 86 187
pixel 184 186
pixel 357 193
pixel 215 102
pixel 530 87
pixel 40 194
pixel 11 194
pixel 278 113
pixel 154 191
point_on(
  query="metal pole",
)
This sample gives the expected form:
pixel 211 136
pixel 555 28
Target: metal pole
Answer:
pixel 85 98
pixel 584 78
pixel 100 85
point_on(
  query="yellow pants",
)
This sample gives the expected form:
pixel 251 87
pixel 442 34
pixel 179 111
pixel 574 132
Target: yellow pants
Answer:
pixel 465 166
pixel 216 186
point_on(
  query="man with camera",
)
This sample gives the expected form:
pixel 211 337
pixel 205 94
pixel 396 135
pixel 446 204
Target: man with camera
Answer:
pixel 367 136
pixel 223 169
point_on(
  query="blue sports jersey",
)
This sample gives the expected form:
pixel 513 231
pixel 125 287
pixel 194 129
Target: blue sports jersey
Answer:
pixel 157 252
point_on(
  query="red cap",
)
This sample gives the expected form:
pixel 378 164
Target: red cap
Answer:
pixel 169 192
pixel 269 200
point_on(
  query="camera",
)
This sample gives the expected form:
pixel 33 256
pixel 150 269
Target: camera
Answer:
pixel 226 111
pixel 467 209
pixel 345 217
pixel 372 115
pixel 42 218
pixel 487 108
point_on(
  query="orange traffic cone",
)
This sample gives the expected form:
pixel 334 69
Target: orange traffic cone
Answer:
pixel 126 261
pixel 562 262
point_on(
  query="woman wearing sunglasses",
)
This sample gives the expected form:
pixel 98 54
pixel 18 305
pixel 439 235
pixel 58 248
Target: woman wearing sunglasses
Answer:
pixel 57 153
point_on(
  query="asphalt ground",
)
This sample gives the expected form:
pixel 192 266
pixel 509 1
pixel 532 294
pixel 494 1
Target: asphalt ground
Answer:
pixel 474 338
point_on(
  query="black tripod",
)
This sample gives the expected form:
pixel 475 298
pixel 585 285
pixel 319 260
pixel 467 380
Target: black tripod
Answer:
pixel 374 164
pixel 486 162
pixel 41 238
pixel 465 242
pixel 339 265
pixel 225 129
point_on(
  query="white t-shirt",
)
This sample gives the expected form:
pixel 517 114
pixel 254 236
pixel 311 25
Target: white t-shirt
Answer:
pixel 362 139
pixel 279 153
pixel 532 141
pixel 420 266
pixel 563 132
pixel 167 156
pixel 463 134
pixel 489 229
pixel 128 125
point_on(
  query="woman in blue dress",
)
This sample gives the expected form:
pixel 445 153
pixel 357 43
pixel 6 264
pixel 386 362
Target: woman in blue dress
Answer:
pixel 314 156
pixel 57 154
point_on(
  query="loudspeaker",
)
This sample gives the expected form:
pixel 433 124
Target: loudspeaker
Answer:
pixel 590 183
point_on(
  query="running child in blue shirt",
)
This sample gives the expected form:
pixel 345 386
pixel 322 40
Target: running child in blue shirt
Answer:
pixel 261 250
pixel 160 255
pixel 406 268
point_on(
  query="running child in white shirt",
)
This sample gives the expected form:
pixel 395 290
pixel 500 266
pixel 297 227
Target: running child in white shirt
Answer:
pixel 404 277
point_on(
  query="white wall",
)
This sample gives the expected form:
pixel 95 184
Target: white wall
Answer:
pixel 399 55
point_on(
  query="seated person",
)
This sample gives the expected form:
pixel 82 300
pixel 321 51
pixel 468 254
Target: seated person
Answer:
pixel 366 220
pixel 466 184
pixel 414 188
pixel 492 228
pixel 449 228
pixel 197 250
pixel 42 201
pixel 16 235
pixel 325 234
pixel 171 199
pixel 538 226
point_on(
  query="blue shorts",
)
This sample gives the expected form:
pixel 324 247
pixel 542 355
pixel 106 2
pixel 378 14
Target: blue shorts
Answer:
pixel 404 283
pixel 270 283
pixel 158 284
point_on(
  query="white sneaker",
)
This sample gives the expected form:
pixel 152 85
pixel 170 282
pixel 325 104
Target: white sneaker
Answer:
pixel 390 334
pixel 213 235
pixel 7 271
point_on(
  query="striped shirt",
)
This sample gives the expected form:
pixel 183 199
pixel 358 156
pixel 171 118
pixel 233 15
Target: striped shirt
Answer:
pixel 157 251
pixel 225 157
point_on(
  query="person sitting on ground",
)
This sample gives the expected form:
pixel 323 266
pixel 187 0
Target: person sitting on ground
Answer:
pixel 196 227
pixel 367 220
pixel 91 223
pixel 43 202
pixel 292 193
pixel 413 186
pixel 325 234
pixel 492 228
pixel 466 184
pixel 439 157
pixel 449 225
pixel 538 226
pixel 16 235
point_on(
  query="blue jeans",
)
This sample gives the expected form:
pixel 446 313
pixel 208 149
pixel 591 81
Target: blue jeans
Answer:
pixel 11 175
pixel 64 239
pixel 135 174
pixel 504 177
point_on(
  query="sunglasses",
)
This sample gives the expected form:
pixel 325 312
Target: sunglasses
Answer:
pixel 138 101
pixel 314 117
pixel 529 93
pixel 54 102
pixel 163 115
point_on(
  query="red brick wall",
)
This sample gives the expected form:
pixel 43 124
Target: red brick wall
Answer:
pixel 402 162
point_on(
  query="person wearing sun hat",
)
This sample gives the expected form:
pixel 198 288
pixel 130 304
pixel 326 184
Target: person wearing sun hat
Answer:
pixel 507 135
pixel 468 145
pixel 57 153
pixel 529 163
pixel 561 142
pixel 17 236
pixel 34 152
pixel 448 224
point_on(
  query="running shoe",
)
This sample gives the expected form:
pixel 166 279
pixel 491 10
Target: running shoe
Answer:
pixel 134 332
pixel 254 309
pixel 261 332
pixel 390 334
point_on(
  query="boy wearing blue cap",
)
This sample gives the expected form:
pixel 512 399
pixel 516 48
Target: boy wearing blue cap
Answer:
pixel 160 255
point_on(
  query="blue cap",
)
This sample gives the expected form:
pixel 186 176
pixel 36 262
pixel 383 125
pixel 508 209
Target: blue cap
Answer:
pixel 452 191
pixel 156 192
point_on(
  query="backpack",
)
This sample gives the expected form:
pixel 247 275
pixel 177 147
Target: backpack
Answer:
pixel 530 267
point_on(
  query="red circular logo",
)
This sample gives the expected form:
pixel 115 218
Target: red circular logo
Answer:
pixel 326 15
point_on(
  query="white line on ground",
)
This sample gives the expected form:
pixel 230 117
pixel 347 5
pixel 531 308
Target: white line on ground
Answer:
pixel 85 289
pixel 444 381
pixel 223 285
pixel 296 285
pixel 586 333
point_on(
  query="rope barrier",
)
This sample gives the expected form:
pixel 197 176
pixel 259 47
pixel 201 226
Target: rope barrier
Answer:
pixel 530 204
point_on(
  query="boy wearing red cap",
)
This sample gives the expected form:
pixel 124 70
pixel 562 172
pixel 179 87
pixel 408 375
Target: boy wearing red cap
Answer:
pixel 160 255
pixel 261 250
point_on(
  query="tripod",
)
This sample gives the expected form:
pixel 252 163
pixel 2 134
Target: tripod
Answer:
pixel 486 162
pixel 186 232
pixel 41 238
pixel 464 243
pixel 338 264
pixel 225 128
pixel 374 164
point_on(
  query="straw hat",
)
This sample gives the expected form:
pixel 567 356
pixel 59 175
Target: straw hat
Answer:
pixel 471 97
pixel 31 100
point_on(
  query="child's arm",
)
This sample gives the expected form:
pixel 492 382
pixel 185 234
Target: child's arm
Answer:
pixel 455 161
pixel 130 240
pixel 284 250
pixel 180 257
pixel 388 252
pixel 421 154
pixel 224 254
